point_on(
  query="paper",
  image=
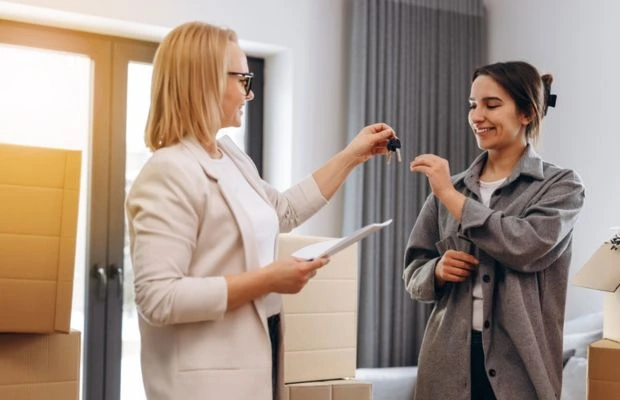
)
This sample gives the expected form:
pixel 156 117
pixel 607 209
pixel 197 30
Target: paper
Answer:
pixel 333 246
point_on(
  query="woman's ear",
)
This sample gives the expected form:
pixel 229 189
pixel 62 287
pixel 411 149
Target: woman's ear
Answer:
pixel 525 119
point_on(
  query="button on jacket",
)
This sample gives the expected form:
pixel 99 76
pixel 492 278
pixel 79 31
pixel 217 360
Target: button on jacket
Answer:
pixel 523 242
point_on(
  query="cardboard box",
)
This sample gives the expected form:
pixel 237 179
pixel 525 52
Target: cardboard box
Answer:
pixel 39 367
pixel 39 190
pixel 603 370
pixel 343 389
pixel 602 272
pixel 320 334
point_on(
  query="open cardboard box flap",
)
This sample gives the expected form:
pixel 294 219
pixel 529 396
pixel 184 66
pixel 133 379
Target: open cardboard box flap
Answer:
pixel 602 270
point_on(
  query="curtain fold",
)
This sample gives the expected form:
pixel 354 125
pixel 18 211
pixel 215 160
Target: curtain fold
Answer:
pixel 410 66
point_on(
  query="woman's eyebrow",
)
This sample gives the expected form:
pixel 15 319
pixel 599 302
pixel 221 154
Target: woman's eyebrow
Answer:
pixel 488 98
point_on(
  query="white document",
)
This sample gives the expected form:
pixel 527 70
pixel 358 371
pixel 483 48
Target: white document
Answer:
pixel 333 246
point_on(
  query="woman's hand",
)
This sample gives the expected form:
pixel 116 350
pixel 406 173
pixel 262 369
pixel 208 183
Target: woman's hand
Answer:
pixel 436 169
pixel 454 266
pixel 370 141
pixel 291 274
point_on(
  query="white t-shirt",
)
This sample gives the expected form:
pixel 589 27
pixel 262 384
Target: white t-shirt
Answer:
pixel 486 191
pixel 264 221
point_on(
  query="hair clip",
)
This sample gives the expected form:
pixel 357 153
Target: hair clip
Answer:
pixel 550 99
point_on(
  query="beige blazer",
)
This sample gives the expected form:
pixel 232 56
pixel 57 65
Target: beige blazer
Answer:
pixel 187 230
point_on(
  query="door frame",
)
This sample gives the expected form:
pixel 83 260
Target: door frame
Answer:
pixel 101 356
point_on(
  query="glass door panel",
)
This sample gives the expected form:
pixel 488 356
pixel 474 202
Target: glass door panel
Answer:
pixel 138 101
pixel 67 89
pixel 45 101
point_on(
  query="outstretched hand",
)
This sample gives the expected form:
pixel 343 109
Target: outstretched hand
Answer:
pixel 370 141
pixel 436 169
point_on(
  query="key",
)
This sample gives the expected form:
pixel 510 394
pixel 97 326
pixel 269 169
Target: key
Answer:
pixel 394 145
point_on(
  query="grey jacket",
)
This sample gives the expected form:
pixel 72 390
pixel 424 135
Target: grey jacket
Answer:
pixel 523 242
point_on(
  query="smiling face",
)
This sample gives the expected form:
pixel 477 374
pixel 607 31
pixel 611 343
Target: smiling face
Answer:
pixel 234 95
pixel 494 117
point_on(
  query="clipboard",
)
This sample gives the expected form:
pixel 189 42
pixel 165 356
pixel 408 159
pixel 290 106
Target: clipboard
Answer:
pixel 333 246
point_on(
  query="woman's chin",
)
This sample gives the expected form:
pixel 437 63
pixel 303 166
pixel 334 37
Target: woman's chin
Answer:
pixel 483 144
pixel 236 123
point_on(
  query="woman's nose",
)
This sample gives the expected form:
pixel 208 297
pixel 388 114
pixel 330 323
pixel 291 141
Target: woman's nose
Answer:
pixel 250 96
pixel 475 115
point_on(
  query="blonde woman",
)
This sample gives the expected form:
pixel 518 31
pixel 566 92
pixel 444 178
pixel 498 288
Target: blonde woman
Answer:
pixel 203 228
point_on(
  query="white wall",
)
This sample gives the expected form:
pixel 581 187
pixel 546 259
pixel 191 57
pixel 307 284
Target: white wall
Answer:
pixel 576 41
pixel 304 45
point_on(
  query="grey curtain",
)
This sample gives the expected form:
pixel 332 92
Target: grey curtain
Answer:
pixel 410 66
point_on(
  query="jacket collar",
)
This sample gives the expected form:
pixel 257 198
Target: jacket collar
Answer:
pixel 200 154
pixel 238 157
pixel 530 164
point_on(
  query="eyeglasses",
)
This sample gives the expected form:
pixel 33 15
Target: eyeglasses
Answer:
pixel 246 79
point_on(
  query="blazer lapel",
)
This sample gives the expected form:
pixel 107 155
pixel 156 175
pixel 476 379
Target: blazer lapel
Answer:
pixel 244 163
pixel 241 218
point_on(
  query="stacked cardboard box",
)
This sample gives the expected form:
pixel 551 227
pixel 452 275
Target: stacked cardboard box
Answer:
pixel 341 389
pixel 603 371
pixel 320 339
pixel 39 191
pixel 39 366
pixel 602 272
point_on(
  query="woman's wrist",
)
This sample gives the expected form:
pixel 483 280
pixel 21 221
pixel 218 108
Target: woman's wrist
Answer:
pixel 439 283
pixel 265 279
pixel 348 158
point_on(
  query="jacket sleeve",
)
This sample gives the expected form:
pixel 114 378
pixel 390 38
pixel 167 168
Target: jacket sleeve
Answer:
pixel 163 212
pixel 533 240
pixel 421 254
pixel 297 204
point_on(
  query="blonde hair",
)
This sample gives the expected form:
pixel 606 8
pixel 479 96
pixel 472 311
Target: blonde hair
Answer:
pixel 189 78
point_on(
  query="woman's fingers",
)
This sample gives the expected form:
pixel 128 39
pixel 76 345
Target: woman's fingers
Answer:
pixel 456 266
